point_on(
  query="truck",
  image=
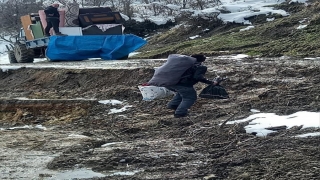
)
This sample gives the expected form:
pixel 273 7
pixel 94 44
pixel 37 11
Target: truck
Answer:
pixel 27 47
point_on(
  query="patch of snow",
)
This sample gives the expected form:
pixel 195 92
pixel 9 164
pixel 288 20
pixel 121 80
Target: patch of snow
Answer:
pixel 4 59
pixel 239 10
pixel 7 68
pixel 302 26
pixel 247 28
pixel 3 44
pixel 173 6
pixel 303 20
pixel 125 173
pixel 240 56
pixel 77 173
pixel 133 54
pixel 112 101
pixel 158 20
pixel 27 127
pixel 255 110
pixel 21 127
pixel 298 1
pixel 125 17
pixel 308 134
pixel 114 110
pixel 270 19
pixel 258 122
pixel 110 144
pixel 139 19
pixel 77 136
pixel 194 37
pixel 313 58
pixel 40 127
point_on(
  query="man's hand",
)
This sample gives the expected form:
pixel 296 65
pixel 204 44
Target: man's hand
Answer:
pixel 218 80
pixel 215 83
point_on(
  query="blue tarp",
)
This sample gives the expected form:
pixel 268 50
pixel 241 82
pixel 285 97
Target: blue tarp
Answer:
pixel 107 47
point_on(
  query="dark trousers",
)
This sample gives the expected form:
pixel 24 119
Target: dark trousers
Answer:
pixel 52 22
pixel 185 97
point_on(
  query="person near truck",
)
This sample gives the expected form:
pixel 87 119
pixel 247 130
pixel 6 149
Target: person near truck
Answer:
pixel 53 19
pixel 180 74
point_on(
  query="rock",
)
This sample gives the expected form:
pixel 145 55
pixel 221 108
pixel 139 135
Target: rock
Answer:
pixel 254 133
pixel 244 176
pixel 187 143
pixel 210 177
pixel 45 175
pixel 296 128
pixel 276 128
pixel 254 110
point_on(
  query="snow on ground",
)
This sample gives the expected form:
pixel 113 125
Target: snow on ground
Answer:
pixel 115 110
pixel 112 102
pixel 4 57
pixel 26 127
pixel 239 10
pixel 3 46
pixel 309 134
pixel 115 102
pixel 260 121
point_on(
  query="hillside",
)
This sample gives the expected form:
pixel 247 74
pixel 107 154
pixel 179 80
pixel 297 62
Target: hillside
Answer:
pixel 86 120
pixel 296 35
pixel 86 123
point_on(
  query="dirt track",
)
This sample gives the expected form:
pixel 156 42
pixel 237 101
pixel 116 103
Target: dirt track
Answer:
pixel 76 133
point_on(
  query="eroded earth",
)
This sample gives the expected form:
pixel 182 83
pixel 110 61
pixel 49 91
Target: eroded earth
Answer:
pixel 53 124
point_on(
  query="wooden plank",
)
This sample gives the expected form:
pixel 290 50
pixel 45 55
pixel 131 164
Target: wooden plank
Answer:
pixel 26 22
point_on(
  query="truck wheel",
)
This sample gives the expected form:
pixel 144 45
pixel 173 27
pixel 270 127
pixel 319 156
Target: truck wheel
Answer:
pixel 22 54
pixel 12 58
pixel 31 55
pixel 124 58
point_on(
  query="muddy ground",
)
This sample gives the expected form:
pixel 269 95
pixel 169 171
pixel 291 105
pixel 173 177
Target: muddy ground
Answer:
pixel 62 131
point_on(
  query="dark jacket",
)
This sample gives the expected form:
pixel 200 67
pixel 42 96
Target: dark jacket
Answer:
pixel 171 71
pixel 194 75
pixel 52 12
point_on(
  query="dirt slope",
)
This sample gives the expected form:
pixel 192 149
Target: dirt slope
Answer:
pixel 146 139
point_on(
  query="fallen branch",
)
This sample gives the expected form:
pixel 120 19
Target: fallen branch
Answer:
pixel 227 120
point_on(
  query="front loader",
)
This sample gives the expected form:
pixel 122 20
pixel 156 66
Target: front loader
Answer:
pixel 24 51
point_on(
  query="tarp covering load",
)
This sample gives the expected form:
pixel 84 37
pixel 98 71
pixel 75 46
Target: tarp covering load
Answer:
pixel 170 72
pixel 107 47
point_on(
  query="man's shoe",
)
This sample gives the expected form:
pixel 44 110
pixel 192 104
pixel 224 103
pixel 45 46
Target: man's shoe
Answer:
pixel 47 35
pixel 172 107
pixel 180 115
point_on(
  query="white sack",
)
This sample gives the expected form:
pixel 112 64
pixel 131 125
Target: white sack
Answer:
pixel 154 92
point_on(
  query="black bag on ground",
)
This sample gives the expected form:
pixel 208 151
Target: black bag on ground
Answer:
pixel 214 92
